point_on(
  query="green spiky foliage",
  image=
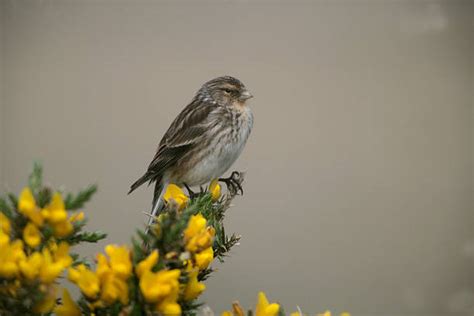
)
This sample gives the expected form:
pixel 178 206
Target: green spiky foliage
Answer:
pixel 167 236
pixel 28 293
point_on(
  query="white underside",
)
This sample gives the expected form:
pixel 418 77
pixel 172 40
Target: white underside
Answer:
pixel 214 165
pixel 220 159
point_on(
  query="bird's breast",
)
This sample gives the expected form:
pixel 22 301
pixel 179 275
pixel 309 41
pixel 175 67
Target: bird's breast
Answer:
pixel 226 141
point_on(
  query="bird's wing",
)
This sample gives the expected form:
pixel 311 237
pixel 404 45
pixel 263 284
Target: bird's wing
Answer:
pixel 185 132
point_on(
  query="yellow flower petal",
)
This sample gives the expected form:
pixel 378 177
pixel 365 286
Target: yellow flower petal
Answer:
pixel 4 239
pixel 272 309
pixel 17 252
pixel 195 225
pixel 147 264
pixel 204 258
pixel 9 269
pixel 26 201
pixel 61 255
pixel 85 279
pixel 196 235
pixel 174 193
pixel 169 308
pixel 215 189
pixel 120 261
pixel 194 288
pixel 62 229
pixel 31 266
pixel 27 207
pixel 55 211
pixel 264 308
pixel 156 286
pixel 4 224
pixel 103 268
pixel 49 270
pixel 114 288
pixel 77 217
pixel 69 307
pixel 31 235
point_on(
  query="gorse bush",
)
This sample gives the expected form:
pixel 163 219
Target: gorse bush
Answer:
pixel 162 271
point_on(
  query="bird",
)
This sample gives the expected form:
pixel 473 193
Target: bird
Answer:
pixel 203 141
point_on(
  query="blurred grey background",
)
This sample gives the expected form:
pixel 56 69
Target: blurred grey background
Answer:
pixel 359 187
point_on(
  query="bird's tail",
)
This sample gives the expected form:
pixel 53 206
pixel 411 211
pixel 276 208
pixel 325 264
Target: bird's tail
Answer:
pixel 158 203
pixel 146 177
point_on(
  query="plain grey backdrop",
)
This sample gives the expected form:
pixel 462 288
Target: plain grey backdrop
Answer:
pixel 358 194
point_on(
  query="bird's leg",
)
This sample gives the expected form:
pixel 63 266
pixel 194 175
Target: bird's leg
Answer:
pixel 191 193
pixel 234 183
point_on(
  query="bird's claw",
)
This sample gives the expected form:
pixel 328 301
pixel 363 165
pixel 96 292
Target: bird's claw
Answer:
pixel 191 193
pixel 234 183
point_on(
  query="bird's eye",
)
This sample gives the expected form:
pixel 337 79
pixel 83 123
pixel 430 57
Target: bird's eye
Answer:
pixel 227 91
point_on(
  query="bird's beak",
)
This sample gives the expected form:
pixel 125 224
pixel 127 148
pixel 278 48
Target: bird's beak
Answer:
pixel 246 95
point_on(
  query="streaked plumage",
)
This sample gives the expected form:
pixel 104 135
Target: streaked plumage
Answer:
pixel 204 140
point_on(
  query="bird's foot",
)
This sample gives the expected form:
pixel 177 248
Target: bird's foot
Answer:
pixel 234 183
pixel 191 193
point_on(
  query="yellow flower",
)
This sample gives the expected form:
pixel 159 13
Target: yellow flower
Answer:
pixel 196 224
pixel 196 235
pixel 4 224
pixel 215 189
pixel 119 260
pixel 62 229
pixel 204 258
pixel 27 206
pixel 147 264
pixel 26 202
pixel 326 313
pixel 50 270
pixel 264 308
pixel 68 308
pixel 85 279
pixel 61 254
pixel 30 266
pixel 169 308
pixel 237 310
pixel 4 239
pixel 103 269
pixel 10 255
pixel 55 211
pixel 77 217
pixel 47 304
pixel 205 239
pixel 31 235
pixel 113 288
pixel 156 286
pixel 194 288
pixel 175 194
pixel 345 314
pixel 112 274
pixel 202 240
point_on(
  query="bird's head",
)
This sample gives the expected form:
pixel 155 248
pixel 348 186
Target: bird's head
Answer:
pixel 225 91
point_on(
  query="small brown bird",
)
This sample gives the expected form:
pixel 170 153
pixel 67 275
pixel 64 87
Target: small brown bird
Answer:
pixel 203 141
